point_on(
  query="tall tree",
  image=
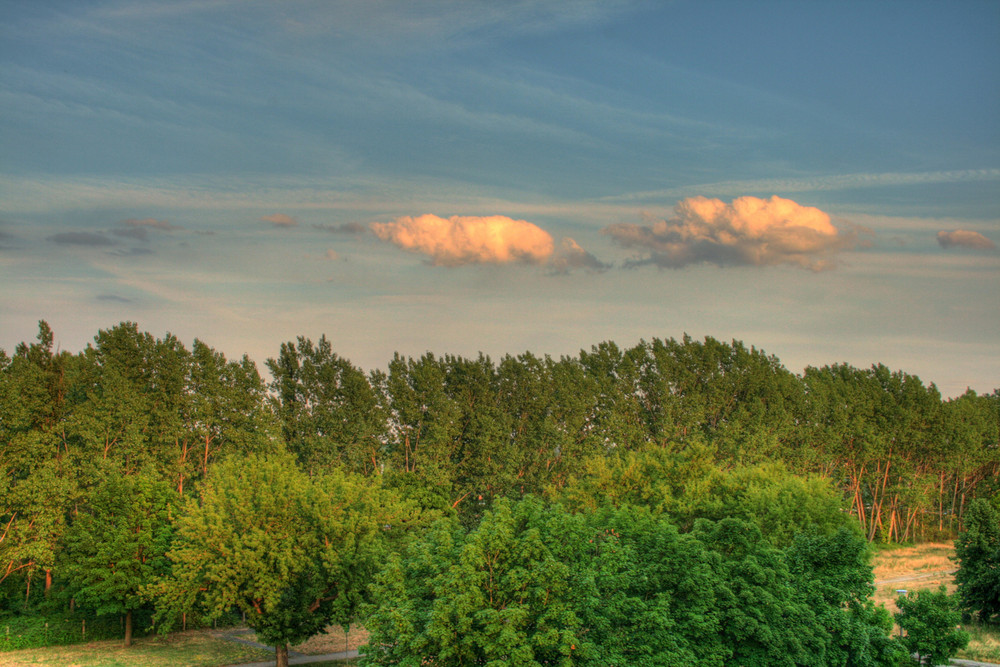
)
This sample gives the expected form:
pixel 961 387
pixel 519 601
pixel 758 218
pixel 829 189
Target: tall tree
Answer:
pixel 37 482
pixel 118 543
pixel 330 413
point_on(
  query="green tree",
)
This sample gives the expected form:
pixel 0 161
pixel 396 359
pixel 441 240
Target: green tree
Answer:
pixel 834 574
pixel 329 411
pixel 683 480
pixel 228 410
pixel 930 620
pixel 977 551
pixel 37 484
pixel 117 545
pixel 495 595
pixel 763 618
pixel 294 553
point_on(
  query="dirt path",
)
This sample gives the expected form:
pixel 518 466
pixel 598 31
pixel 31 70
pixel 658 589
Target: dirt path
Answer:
pixel 300 659
pixel 914 577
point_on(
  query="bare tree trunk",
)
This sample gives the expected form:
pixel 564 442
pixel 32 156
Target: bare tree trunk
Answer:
pixel 281 655
pixel 128 628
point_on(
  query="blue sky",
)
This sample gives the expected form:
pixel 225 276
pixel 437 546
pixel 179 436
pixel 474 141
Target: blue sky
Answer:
pixel 820 180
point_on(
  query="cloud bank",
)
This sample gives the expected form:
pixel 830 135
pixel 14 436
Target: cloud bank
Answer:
pixel 748 232
pixel 462 240
pixel 962 238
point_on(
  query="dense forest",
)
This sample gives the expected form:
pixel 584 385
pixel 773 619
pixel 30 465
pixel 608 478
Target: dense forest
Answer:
pixel 697 433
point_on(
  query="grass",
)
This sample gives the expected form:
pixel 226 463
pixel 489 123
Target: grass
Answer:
pixel 924 566
pixel 194 648
pixel 984 645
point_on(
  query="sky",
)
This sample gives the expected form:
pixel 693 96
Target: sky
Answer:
pixel 818 180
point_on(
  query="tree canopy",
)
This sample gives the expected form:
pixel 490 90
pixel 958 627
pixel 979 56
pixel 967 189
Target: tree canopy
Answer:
pixel 294 553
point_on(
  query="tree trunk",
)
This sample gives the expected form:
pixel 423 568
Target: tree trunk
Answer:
pixel 128 628
pixel 281 655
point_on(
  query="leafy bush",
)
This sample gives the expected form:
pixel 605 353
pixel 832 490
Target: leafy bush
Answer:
pixel 930 620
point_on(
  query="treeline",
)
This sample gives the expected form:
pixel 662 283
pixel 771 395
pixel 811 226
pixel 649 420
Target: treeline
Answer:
pixel 126 457
pixel 462 432
pixel 470 429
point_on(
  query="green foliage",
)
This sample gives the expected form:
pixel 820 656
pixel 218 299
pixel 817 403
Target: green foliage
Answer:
pixel 977 551
pixel 834 574
pixel 294 553
pixel 763 619
pixel 21 632
pixel 684 482
pixel 329 411
pixel 642 442
pixel 495 596
pixel 533 584
pixel 646 593
pixel 930 620
pixel 118 543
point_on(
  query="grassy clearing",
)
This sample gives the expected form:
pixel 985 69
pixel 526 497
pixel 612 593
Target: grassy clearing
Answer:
pixel 195 648
pixel 928 566
pixel 924 566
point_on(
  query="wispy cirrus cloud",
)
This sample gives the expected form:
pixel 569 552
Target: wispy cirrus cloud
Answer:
pixel 151 223
pixel 81 238
pixel 747 232
pixel 823 183
pixel 963 238
pixel 344 228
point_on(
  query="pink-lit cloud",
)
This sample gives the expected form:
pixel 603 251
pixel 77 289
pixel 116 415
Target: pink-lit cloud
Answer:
pixel 747 232
pixel 280 220
pixel 962 238
pixel 570 256
pixel 462 240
